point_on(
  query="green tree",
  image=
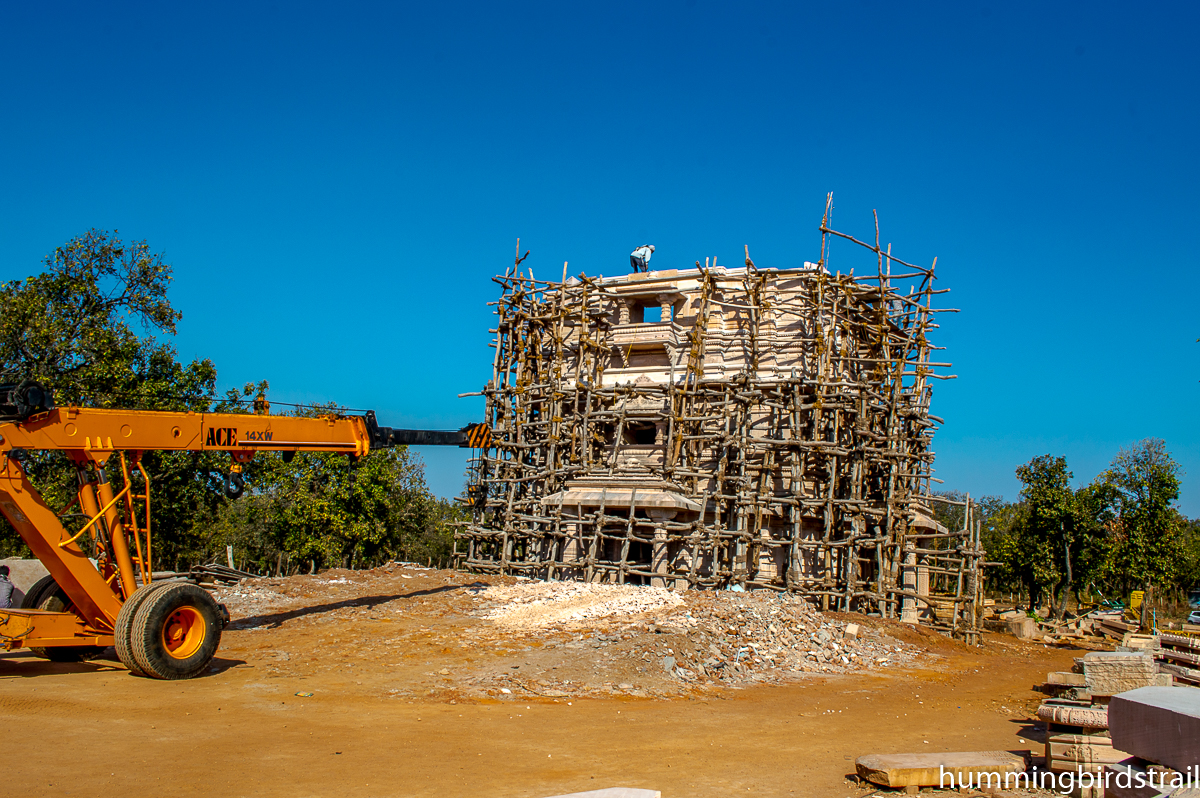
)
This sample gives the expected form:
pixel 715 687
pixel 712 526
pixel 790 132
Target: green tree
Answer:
pixel 1046 498
pixel 85 327
pixel 999 540
pixel 319 508
pixel 1058 535
pixel 1188 573
pixel 1145 546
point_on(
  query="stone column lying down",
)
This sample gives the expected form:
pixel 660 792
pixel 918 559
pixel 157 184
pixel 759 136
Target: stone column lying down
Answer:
pixel 1088 717
pixel 1160 724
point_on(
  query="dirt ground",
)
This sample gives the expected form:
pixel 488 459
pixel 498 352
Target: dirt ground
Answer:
pixel 409 681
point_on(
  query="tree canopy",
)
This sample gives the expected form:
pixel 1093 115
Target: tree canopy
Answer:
pixel 1122 531
pixel 89 327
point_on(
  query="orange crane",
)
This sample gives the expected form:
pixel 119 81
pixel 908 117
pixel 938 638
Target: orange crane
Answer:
pixel 167 629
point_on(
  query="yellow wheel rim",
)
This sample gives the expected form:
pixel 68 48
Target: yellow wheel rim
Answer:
pixel 184 632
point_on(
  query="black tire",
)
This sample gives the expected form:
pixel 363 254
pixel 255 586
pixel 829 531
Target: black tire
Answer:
pixel 176 631
pixel 45 594
pixel 123 629
pixel 33 596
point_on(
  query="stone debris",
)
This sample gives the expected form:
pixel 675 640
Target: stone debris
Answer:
pixel 613 792
pixel 1179 655
pixel 533 605
pixel 730 636
pixel 1081 753
pixel 1094 700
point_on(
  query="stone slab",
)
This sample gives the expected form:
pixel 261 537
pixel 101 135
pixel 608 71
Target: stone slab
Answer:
pixel 612 792
pixel 1160 724
pixel 1132 778
pixel 23 573
pixel 927 770
pixel 621 497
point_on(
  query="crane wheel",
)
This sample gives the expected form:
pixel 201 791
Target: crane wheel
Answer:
pixel 45 594
pixel 123 629
pixel 176 631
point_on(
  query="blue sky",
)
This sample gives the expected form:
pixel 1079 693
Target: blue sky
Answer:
pixel 336 184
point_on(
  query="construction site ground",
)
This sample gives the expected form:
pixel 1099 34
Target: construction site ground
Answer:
pixel 409 681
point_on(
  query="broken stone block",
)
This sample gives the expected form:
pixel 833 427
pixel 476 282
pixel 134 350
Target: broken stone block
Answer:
pixel 950 768
pixel 851 630
pixel 1023 628
pixel 1066 678
pixel 1109 673
pixel 1160 724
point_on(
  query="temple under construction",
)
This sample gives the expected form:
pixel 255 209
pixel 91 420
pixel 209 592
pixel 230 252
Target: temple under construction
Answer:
pixel 724 428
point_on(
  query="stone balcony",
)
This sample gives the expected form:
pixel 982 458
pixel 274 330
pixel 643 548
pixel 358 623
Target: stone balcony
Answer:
pixel 664 333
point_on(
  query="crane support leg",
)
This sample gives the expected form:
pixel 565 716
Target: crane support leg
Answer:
pixel 116 532
pixel 93 598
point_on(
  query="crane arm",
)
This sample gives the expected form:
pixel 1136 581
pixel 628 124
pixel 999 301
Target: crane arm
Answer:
pixel 90 430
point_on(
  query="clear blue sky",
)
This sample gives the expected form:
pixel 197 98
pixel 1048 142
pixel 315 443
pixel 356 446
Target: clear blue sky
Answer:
pixel 335 184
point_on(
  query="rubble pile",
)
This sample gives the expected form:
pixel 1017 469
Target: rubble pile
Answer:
pixel 698 636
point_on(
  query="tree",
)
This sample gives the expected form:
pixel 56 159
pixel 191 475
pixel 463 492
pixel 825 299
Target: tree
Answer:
pixel 1046 498
pixel 1187 576
pixel 997 536
pixel 1087 542
pixel 1059 532
pixel 1144 480
pixel 74 327
pixel 85 327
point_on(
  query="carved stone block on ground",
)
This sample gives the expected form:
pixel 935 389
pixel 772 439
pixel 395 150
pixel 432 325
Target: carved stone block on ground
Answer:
pixel 1109 673
pixel 932 769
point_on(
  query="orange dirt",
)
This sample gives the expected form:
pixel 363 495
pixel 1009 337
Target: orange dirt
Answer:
pixel 406 681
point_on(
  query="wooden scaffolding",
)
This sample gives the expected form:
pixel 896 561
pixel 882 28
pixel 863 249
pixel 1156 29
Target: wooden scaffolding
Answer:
pixel 769 429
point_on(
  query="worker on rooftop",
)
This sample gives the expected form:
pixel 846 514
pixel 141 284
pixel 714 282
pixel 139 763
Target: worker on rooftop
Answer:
pixel 640 258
